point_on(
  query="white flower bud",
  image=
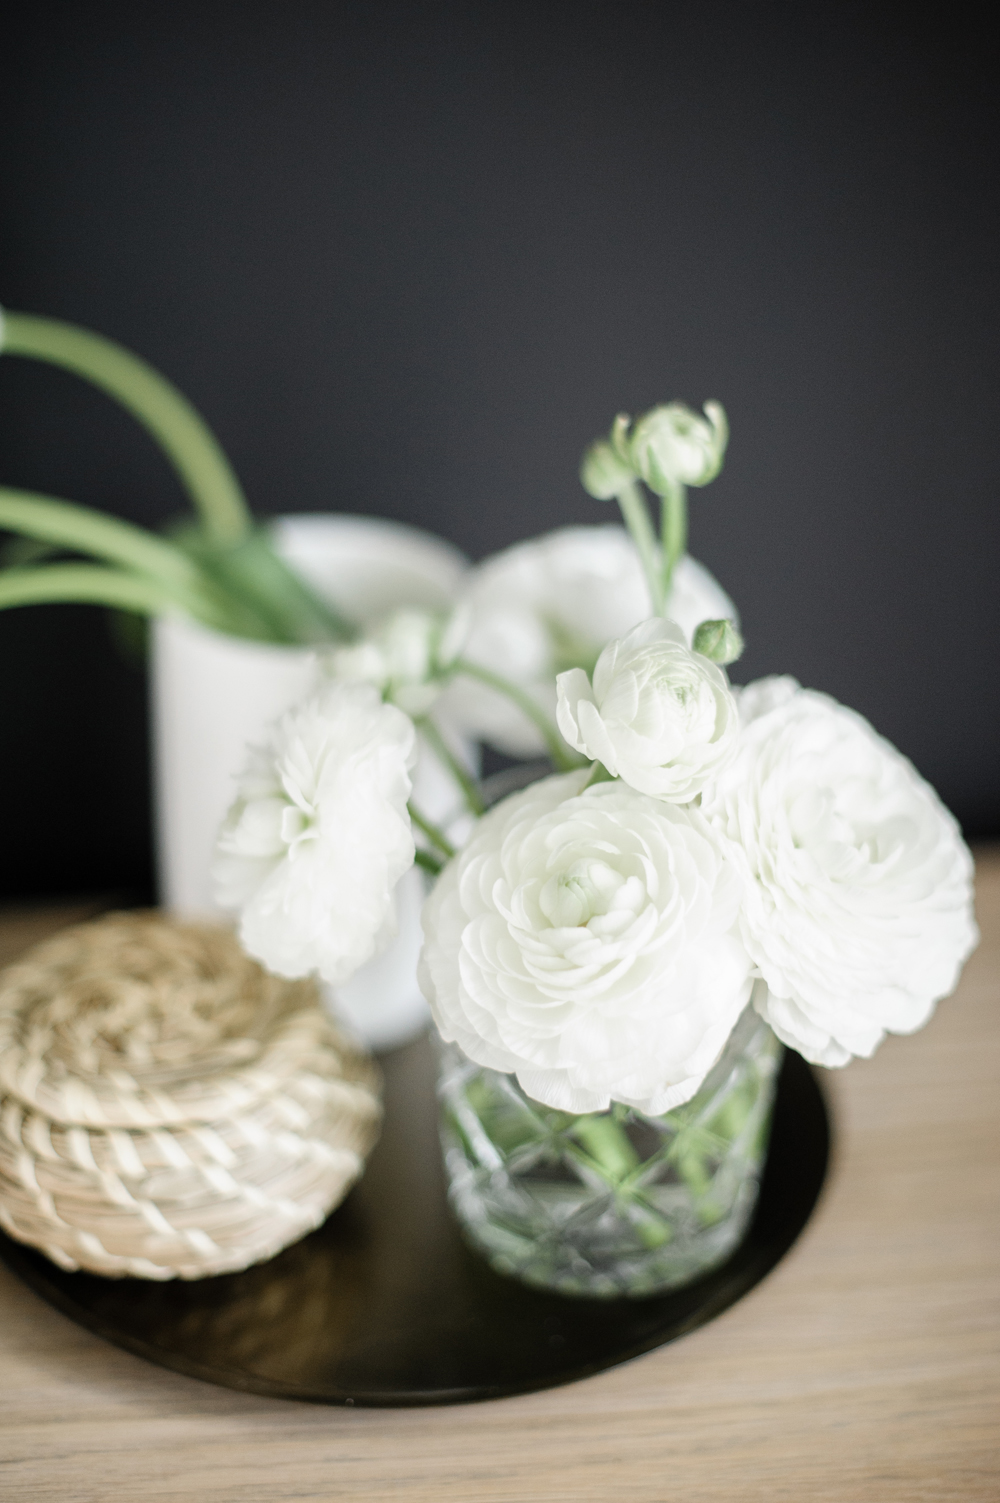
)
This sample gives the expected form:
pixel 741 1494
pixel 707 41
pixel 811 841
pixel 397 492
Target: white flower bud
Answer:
pixel 672 445
pixel 719 641
pixel 603 473
pixel 658 716
pixel 404 658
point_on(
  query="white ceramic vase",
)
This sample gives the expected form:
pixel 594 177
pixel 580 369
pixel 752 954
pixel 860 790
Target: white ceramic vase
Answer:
pixel 213 694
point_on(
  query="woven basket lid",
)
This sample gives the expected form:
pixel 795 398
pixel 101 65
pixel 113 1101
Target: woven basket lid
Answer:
pixel 167 1107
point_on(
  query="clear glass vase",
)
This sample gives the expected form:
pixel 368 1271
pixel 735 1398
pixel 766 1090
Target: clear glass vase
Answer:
pixel 610 1203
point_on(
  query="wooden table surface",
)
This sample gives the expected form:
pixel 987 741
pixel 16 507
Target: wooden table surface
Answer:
pixel 866 1366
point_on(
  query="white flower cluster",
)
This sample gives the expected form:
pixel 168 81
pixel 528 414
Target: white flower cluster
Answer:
pixel 319 833
pixel 599 939
pixel 600 932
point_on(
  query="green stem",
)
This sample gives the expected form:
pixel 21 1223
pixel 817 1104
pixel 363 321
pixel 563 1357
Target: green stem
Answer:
pixel 674 527
pixel 608 1145
pixel 598 774
pixel 427 862
pixel 434 835
pixel 92 585
pixel 636 514
pixel 163 411
pixel 560 755
pixel 250 571
pixel 460 773
pixel 85 531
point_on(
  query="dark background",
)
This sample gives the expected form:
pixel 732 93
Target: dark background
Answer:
pixel 409 259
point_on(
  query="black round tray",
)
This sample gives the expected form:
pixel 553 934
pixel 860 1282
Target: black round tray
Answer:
pixel 385 1305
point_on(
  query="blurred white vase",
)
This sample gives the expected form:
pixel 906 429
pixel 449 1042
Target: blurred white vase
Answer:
pixel 213 694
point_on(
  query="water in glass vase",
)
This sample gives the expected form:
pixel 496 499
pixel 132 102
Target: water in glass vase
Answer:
pixel 610 1203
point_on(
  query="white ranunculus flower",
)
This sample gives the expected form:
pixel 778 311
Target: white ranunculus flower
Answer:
pixel 765 695
pixel 553 603
pixel 587 942
pixel 659 716
pixel 672 444
pixel 319 835
pixel 858 886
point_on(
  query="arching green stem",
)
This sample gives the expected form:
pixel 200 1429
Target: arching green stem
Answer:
pixel 434 835
pixel 92 584
pixel 556 747
pixel 85 531
pixel 460 773
pixel 185 438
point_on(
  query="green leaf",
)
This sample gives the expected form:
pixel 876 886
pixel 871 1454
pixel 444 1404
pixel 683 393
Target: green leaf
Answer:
pixel 82 530
pixel 86 583
pixel 168 416
pixel 279 606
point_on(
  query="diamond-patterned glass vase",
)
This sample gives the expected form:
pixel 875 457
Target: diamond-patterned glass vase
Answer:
pixel 611 1203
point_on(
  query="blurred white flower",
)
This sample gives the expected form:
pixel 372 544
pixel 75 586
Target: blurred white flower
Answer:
pixel 671 444
pixel 553 603
pixel 319 835
pixel 765 694
pixel 858 886
pixel 659 716
pixel 587 943
pixel 404 657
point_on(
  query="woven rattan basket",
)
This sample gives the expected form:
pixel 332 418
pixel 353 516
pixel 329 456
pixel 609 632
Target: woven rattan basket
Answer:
pixel 167 1108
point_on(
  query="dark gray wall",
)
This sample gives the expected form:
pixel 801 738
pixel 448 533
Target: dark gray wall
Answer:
pixel 409 259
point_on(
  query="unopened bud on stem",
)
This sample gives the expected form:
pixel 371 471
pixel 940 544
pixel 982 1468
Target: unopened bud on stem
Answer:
pixel 719 641
pixel 603 473
pixel 671 445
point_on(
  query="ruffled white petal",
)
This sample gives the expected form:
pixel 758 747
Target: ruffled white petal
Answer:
pixel 587 942
pixel 857 904
pixel 319 835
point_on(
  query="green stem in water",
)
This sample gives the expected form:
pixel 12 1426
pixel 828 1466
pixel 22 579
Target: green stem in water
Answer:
pixel 561 757
pixel 608 1145
pixel 185 438
pixel 636 513
pixel 674 527
pixel 460 773
pixel 434 835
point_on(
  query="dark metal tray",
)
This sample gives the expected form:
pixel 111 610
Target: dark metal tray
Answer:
pixel 384 1304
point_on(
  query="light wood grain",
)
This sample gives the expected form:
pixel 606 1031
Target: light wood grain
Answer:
pixel 866 1367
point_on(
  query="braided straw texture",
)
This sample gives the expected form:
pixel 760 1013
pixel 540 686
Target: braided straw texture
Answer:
pixel 168 1109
